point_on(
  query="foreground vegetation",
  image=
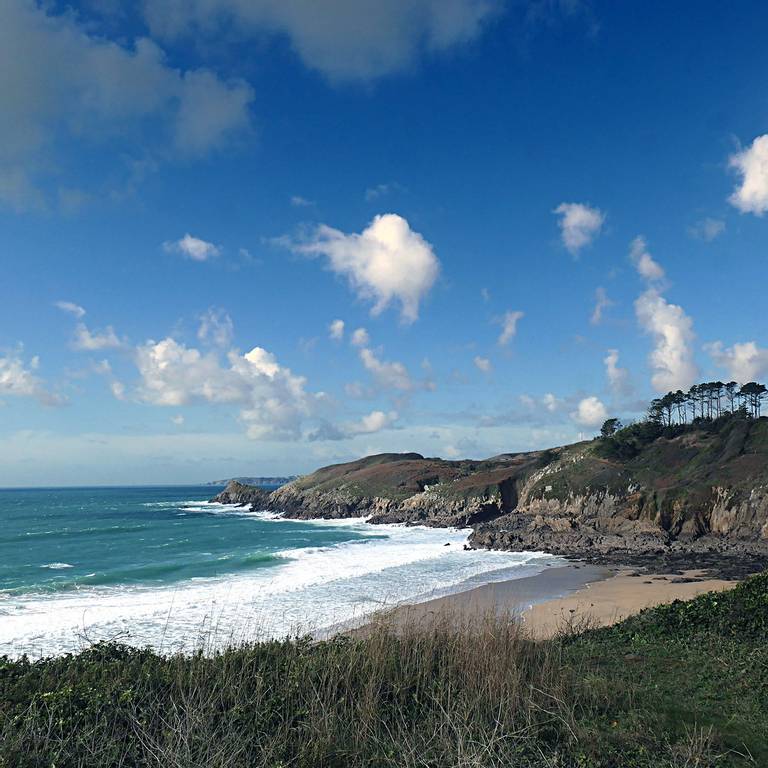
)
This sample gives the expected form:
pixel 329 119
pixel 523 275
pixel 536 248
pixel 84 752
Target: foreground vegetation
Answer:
pixel 681 685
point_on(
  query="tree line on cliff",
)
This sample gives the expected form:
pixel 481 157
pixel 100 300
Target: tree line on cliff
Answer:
pixel 702 402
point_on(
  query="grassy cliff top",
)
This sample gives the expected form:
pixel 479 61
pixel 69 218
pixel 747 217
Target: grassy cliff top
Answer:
pixel 730 452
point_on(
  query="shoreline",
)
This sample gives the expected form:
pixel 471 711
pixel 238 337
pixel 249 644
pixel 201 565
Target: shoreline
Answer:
pixel 560 598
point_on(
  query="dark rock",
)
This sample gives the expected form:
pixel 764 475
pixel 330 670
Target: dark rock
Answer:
pixel 243 495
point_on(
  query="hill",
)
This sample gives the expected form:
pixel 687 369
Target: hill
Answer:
pixel 648 491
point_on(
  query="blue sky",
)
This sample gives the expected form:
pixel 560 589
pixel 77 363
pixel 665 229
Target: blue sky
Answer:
pixel 540 213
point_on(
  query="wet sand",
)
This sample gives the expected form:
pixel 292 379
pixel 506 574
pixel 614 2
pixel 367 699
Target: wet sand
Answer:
pixel 562 597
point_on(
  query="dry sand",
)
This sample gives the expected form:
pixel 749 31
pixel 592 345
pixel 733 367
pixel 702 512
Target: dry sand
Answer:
pixel 613 599
pixel 575 595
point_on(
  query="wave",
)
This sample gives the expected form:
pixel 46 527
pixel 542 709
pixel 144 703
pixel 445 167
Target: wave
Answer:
pixel 292 591
pixel 57 566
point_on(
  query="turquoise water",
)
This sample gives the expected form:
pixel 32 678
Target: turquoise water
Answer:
pixel 64 539
pixel 165 568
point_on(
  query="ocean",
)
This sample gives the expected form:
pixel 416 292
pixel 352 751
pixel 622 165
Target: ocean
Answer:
pixel 163 567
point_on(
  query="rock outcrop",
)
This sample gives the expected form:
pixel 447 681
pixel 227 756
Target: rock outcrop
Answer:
pixel 697 492
pixel 238 493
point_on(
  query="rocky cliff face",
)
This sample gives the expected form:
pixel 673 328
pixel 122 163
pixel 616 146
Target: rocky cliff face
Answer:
pixel 694 491
pixel 238 493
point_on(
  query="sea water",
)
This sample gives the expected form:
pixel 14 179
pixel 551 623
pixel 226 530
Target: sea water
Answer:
pixel 164 567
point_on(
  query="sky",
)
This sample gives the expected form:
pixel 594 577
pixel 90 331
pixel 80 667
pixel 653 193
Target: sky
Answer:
pixel 254 238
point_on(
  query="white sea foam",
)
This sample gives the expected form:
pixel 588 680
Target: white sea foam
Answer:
pixel 57 566
pixel 314 588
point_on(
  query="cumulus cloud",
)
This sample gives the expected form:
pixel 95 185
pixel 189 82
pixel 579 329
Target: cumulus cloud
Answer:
pixel 671 359
pixel 579 225
pixel 360 338
pixel 274 400
pixel 707 229
pixel 375 421
pixel 602 302
pixel 618 378
pixel 63 84
pixel 751 195
pixel 551 403
pixel 483 364
pixel 386 262
pixel 86 340
pixel 647 267
pixel 71 308
pixel 509 326
pixel 216 328
pixel 336 330
pixel 19 379
pixel 743 361
pixel 590 412
pixel 389 375
pixel 193 248
pixel 343 39
pixel 672 331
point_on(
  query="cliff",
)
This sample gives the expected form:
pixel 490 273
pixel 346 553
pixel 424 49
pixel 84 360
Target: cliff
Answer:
pixel 239 493
pixel 687 491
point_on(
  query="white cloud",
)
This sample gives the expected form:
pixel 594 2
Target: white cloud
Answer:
pixel 375 421
pixel 193 248
pixel 751 196
pixel 273 400
pixel 579 225
pixel 297 201
pixel 744 361
pixel 178 420
pixel 386 262
pixel 647 267
pixel 118 390
pixel 707 229
pixel 483 364
pixel 63 84
pixel 343 39
pixel 360 338
pixel 672 331
pixel 71 308
pixel 618 378
pixel 602 302
pixel 336 330
pixel 590 412
pixel 389 375
pixel 19 379
pixel 216 328
pixel 509 326
pixel 551 403
pixel 86 340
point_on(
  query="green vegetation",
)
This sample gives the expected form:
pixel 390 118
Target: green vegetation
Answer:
pixel 681 685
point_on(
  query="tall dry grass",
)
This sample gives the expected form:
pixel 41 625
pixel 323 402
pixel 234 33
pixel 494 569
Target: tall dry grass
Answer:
pixel 437 693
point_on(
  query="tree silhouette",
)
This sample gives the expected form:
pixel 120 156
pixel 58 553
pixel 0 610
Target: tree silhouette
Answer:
pixel 610 427
pixel 707 401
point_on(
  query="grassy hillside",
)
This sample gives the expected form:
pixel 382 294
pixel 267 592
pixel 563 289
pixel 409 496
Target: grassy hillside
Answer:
pixel 639 490
pixel 681 685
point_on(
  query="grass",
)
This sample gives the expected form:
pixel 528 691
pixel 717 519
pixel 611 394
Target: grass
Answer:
pixel 680 685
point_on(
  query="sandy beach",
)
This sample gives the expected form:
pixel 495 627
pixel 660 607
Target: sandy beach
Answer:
pixel 574 595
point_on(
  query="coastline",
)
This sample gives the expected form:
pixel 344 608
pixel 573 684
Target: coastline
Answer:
pixel 576 595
